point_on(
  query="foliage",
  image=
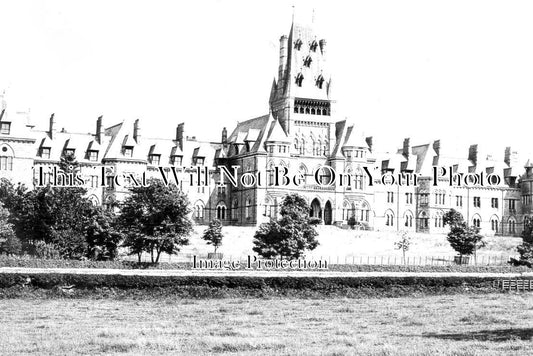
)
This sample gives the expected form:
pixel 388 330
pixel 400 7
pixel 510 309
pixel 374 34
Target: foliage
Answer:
pixel 526 248
pixel 213 234
pixel 101 236
pixel 464 239
pixel 9 243
pixel 51 220
pixel 453 218
pixel 290 236
pixel 155 219
pixel 392 285
pixel 404 243
pixel 68 163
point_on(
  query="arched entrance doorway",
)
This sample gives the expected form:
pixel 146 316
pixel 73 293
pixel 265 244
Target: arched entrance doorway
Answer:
pixel 316 210
pixel 327 213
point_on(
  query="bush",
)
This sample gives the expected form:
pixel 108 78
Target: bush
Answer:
pixel 289 237
pixel 208 286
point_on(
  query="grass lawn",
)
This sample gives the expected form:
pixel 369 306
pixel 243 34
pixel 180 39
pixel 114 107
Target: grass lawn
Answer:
pixel 494 324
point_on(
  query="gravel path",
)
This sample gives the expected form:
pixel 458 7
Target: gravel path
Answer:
pixel 256 273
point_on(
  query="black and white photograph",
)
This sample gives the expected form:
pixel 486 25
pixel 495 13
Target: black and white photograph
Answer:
pixel 231 177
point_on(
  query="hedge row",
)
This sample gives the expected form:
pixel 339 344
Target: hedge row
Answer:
pixel 88 281
pixel 30 262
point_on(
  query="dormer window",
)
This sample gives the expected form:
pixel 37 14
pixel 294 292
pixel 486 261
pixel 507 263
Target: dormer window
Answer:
pixel 92 155
pixel 320 81
pixel 177 160
pixel 45 152
pixel 307 61
pixel 199 161
pixel 128 151
pixel 313 46
pixel 298 44
pixel 69 151
pixel 299 79
pixel 5 128
pixel 154 159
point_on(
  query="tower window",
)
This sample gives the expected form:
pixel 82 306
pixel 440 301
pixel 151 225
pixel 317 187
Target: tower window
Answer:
pixel 307 61
pixel 320 81
pixel 298 44
pixel 313 46
pixel 299 79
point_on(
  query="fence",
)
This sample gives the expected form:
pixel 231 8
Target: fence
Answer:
pixel 489 260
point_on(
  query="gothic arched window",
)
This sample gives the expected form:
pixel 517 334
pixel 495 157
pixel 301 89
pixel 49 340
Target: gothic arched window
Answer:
pixel 298 44
pixel 299 79
pixel 307 61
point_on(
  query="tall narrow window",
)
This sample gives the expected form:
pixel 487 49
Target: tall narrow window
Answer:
pixel 299 79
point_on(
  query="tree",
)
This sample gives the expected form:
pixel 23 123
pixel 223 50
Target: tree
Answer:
pixel 101 236
pixel 61 219
pixel 404 243
pixel 9 243
pixel 526 248
pixel 213 234
pixel 155 219
pixel 290 236
pixel 464 239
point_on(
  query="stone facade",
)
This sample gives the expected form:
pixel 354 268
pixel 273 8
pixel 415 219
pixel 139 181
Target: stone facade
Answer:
pixel 302 133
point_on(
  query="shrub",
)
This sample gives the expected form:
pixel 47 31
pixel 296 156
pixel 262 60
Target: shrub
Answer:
pixel 213 234
pixel 291 235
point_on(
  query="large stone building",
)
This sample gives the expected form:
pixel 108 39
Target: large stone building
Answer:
pixel 302 133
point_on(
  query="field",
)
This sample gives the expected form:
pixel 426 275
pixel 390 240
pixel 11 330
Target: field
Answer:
pixel 493 324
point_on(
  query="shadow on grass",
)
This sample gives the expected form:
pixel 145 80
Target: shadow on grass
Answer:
pixel 498 335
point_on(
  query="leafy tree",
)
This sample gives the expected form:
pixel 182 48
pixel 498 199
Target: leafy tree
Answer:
pixel 9 243
pixel 60 219
pixel 404 243
pixel 155 219
pixel 290 236
pixel 101 236
pixel 213 234
pixel 453 218
pixel 464 239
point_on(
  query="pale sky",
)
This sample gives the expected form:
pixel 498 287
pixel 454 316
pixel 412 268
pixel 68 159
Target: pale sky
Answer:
pixel 461 71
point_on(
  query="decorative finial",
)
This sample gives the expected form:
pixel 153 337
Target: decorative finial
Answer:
pixel 293 9
pixel 313 17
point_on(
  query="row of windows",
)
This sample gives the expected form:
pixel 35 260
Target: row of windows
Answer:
pixel 318 148
pixel 311 110
pixel 319 82
pixel 298 45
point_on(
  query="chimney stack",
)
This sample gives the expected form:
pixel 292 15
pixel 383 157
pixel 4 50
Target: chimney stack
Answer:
pixel 322 44
pixel 406 150
pixel 473 154
pixel 511 157
pixel 224 135
pixel 136 131
pixel 51 127
pixel 369 142
pixel 436 147
pixel 99 129
pixel 180 134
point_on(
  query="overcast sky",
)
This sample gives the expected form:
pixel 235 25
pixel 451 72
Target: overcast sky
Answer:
pixel 461 71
